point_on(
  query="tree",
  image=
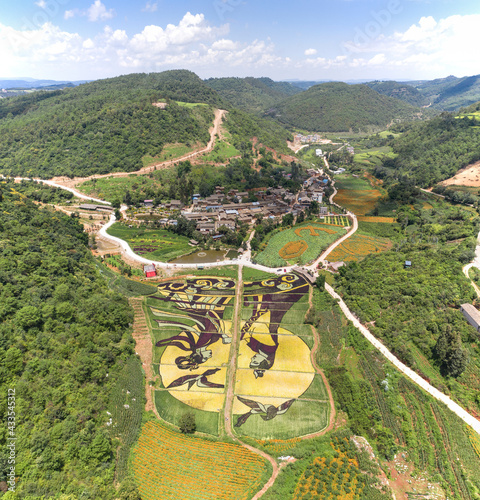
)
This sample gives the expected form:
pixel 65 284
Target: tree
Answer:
pixel 320 282
pixel 187 423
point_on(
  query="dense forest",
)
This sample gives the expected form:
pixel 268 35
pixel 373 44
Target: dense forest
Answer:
pixel 103 126
pixel 244 127
pixel 252 94
pixel 401 91
pixel 431 151
pixel 67 353
pixel 450 93
pixel 337 107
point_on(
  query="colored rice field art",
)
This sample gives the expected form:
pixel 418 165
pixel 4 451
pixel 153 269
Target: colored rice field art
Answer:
pixel 359 246
pixel 168 466
pixel 193 342
pixel 300 244
pixel 293 249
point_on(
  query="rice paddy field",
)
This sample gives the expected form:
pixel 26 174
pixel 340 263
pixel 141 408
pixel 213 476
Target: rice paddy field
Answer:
pixel 301 243
pixel 276 392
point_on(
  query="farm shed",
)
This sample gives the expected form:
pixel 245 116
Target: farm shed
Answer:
pixel 472 315
pixel 149 270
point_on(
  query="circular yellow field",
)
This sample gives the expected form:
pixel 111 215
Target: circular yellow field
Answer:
pixel 289 377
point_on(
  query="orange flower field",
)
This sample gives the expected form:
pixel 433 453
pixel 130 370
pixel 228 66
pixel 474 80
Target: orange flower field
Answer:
pixel 360 202
pixel 359 246
pixel 169 465
pixel 385 220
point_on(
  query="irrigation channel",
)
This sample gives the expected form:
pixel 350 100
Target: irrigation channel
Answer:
pixel 245 261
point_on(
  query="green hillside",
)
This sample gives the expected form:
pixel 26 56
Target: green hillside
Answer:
pixel 401 91
pixel 102 126
pixel 66 358
pixel 450 93
pixel 431 151
pixel 252 94
pixel 338 107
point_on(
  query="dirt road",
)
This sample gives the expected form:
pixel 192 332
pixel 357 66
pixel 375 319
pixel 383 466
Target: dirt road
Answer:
pixel 71 183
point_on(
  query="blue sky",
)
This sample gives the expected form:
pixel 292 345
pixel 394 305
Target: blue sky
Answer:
pixel 309 40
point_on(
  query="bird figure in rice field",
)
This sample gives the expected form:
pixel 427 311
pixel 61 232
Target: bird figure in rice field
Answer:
pixel 201 380
pixel 266 411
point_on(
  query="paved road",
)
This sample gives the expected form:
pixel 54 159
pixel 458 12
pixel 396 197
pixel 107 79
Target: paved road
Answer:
pixel 244 260
pixel 457 409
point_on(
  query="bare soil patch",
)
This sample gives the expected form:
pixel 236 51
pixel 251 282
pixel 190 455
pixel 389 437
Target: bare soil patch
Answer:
pixel 468 176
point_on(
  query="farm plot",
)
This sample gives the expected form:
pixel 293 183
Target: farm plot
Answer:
pixel 192 350
pixel 358 246
pixel 168 465
pixel 274 368
pixel 192 345
pixel 356 195
pixel 157 244
pixel 300 244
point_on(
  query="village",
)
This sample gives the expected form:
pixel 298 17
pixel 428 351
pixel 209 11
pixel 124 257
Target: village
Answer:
pixel 234 208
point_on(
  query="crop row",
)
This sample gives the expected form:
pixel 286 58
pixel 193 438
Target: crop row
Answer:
pixel 357 246
pixel 170 465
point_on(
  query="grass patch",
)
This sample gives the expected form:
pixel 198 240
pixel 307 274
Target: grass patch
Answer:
pixel 169 152
pixel 221 152
pixel 113 188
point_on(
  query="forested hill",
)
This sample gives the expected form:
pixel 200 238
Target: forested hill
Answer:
pixel 450 93
pixel 64 348
pixel 434 150
pixel 102 126
pixel 337 107
pixel 252 94
pixel 401 91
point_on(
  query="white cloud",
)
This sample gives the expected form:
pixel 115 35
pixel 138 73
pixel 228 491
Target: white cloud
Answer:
pixel 41 3
pixel 377 60
pixel 69 14
pixel 150 7
pixel 98 12
pixel 428 48
pixel 310 52
pixel 192 43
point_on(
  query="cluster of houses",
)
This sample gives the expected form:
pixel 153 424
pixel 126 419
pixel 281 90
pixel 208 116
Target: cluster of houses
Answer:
pixel 232 208
pixel 306 139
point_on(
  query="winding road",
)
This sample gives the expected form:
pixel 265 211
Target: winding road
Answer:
pixel 245 261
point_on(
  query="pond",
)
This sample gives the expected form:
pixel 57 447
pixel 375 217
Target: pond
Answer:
pixel 205 256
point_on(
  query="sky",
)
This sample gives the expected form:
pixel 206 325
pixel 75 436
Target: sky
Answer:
pixel 303 40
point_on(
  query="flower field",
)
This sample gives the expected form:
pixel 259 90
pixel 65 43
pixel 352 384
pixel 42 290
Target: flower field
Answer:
pixel 168 465
pixel 332 477
pixel 384 220
pixel 359 246
pixel 300 244
pixel 356 195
